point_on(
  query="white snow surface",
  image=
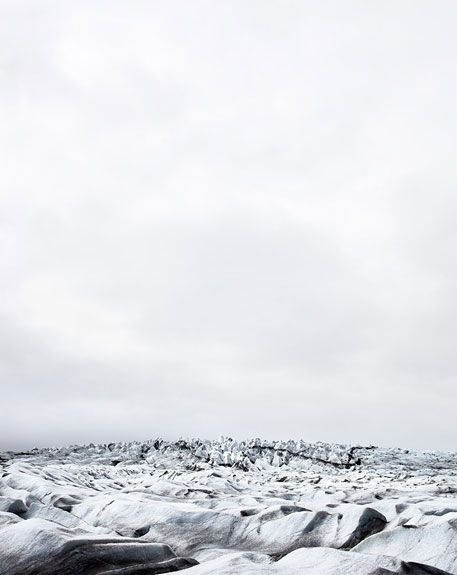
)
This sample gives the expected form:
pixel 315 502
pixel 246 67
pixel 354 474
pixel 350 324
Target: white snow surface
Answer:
pixel 227 507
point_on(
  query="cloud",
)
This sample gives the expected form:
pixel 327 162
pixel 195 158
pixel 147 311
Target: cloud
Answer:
pixel 232 218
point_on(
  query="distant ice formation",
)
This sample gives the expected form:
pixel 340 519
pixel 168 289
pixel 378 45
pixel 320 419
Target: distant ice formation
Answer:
pixel 227 507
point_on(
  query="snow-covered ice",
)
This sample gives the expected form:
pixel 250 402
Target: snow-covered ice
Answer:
pixel 227 507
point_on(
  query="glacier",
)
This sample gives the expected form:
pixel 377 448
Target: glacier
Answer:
pixel 229 507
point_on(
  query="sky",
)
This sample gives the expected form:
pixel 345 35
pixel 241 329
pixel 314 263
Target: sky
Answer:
pixel 228 218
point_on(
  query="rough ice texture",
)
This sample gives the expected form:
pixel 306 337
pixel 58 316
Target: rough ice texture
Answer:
pixel 227 507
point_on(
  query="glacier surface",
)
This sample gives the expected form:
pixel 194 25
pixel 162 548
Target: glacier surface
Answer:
pixel 227 507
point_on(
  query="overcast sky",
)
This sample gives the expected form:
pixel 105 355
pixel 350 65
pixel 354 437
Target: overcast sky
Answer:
pixel 228 217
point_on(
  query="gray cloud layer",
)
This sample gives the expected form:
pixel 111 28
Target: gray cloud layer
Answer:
pixel 228 217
